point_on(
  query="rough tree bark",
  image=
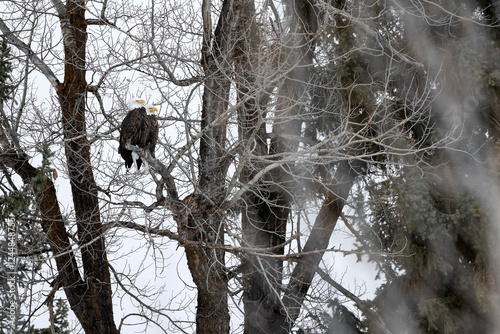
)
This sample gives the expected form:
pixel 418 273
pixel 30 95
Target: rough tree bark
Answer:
pixel 267 207
pixel 52 224
pixel 269 308
pixel 97 298
pixel 90 295
pixel 203 222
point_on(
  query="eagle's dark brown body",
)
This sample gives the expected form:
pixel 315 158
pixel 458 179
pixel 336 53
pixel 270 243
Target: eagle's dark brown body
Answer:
pixel 141 130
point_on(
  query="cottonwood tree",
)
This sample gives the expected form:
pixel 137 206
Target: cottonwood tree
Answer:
pixel 89 293
pixel 286 117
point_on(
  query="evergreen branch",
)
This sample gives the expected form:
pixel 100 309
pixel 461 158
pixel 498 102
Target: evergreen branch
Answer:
pixel 384 44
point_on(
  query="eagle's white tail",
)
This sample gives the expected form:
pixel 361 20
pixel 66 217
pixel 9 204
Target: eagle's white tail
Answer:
pixel 135 156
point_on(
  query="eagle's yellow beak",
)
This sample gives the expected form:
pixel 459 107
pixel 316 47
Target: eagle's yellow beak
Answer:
pixel 153 109
pixel 141 101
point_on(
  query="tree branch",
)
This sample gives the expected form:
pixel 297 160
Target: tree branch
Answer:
pixel 145 229
pixel 60 7
pixel 306 268
pixel 384 44
pixel 371 315
pixel 161 169
pixel 14 40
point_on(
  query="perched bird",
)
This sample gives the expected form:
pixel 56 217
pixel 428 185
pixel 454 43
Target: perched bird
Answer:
pixel 139 128
pixel 152 128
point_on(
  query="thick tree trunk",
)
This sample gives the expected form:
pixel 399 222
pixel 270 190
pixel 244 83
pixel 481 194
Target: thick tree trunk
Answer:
pixel 201 225
pixel 202 222
pixel 262 217
pixel 53 225
pixel 304 271
pixel 86 306
pixel 267 205
pixel 93 307
pixel 90 296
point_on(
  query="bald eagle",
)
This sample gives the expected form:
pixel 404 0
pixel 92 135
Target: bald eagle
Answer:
pixel 139 128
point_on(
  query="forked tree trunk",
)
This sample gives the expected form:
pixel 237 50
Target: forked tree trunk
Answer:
pixel 202 222
pixel 267 204
pixel 90 297
pixel 93 307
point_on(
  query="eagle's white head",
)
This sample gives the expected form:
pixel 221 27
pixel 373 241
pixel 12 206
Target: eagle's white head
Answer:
pixel 136 103
pixel 151 109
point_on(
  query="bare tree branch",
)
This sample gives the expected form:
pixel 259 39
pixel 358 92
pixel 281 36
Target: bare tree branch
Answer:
pixel 42 67
pixel 371 315
pixel 60 8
